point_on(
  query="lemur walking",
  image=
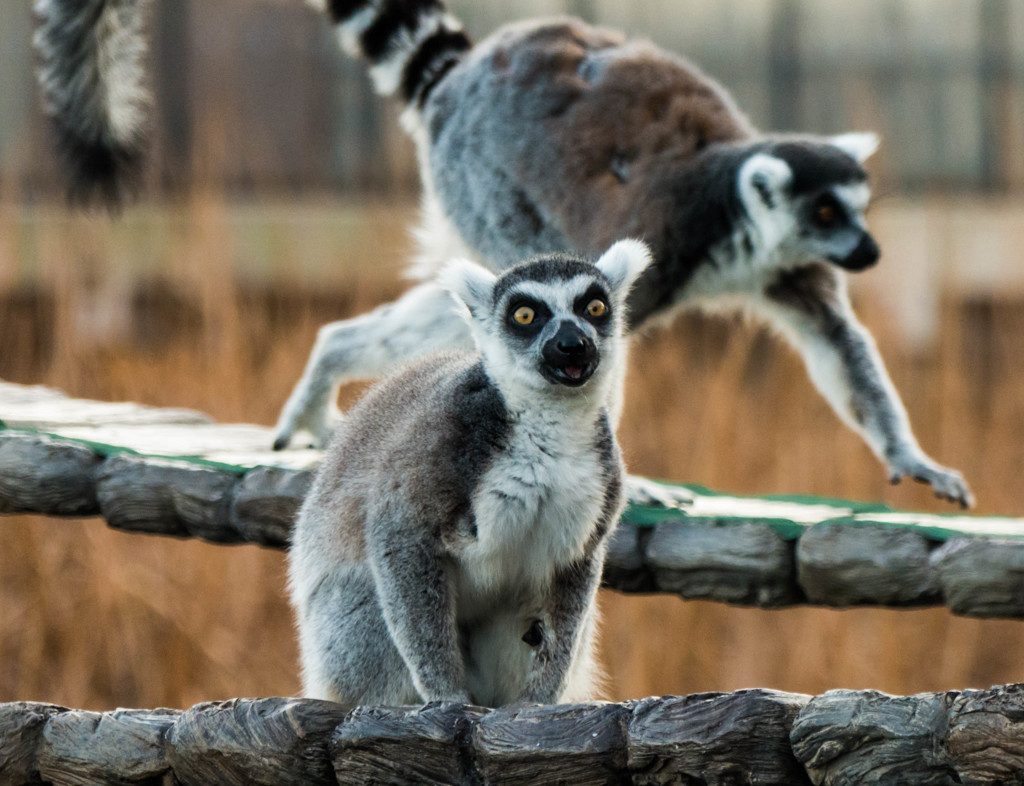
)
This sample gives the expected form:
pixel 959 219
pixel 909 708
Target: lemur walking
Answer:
pixel 452 544
pixel 553 135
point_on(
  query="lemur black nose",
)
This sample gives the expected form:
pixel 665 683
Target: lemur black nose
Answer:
pixel 863 256
pixel 572 345
pixel 570 356
pixel 569 344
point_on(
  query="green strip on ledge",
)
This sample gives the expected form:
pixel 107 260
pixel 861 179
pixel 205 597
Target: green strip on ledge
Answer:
pixel 649 516
pixel 105 449
pixel 935 526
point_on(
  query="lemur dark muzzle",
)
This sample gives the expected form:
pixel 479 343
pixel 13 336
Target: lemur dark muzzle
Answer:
pixel 570 356
pixel 865 255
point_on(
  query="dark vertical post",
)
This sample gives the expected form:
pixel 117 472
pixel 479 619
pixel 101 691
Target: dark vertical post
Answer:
pixel 16 97
pixel 584 9
pixel 785 74
pixel 173 127
pixel 994 66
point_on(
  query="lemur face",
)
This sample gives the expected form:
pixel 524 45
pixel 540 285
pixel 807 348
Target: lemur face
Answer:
pixel 830 226
pixel 553 322
pixel 561 324
pixel 808 196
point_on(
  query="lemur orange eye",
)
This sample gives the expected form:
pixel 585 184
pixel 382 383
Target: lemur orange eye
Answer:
pixel 523 315
pixel 597 308
pixel 826 214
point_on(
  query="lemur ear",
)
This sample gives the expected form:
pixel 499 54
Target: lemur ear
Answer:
pixel 764 178
pixel 860 145
pixel 624 262
pixel 471 283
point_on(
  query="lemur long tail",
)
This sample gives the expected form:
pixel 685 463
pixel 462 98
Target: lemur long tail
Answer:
pixel 410 44
pixel 93 91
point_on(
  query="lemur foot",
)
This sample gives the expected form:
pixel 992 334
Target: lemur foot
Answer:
pixel 643 491
pixel 319 428
pixel 947 483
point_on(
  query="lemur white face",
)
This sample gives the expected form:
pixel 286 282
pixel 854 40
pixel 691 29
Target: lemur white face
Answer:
pixel 807 198
pixel 554 324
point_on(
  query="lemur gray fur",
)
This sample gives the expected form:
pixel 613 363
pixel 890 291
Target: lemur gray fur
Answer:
pixel 452 543
pixel 553 135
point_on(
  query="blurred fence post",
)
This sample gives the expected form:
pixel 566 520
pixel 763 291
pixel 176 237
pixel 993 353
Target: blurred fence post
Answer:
pixel 784 67
pixel 171 48
pixel 995 67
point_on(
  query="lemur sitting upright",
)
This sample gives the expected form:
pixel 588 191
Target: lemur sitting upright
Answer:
pixel 558 136
pixel 452 544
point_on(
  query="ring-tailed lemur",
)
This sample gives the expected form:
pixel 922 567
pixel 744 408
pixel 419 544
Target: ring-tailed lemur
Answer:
pixel 452 544
pixel 554 136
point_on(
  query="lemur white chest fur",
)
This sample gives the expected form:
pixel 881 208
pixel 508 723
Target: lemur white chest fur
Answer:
pixel 535 507
pixel 732 270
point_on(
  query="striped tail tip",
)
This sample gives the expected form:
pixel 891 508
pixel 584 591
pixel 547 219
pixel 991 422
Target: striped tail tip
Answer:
pixel 410 44
pixel 92 85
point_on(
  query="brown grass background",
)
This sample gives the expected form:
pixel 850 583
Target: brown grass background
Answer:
pixel 164 307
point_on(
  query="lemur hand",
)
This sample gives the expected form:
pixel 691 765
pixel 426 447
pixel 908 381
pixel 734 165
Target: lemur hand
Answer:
pixel 947 483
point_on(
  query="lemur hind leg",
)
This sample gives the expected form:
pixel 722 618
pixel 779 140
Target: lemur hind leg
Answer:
pixel 422 321
pixel 644 491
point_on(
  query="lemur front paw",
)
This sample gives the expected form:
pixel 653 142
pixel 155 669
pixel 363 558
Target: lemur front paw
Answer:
pixel 643 491
pixel 947 483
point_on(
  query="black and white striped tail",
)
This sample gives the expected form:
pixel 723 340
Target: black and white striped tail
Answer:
pixel 93 92
pixel 411 44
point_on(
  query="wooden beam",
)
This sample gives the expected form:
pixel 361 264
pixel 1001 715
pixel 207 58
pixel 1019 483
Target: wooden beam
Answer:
pixel 175 472
pixel 762 737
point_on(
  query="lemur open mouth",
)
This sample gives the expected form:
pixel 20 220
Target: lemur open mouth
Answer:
pixel 572 376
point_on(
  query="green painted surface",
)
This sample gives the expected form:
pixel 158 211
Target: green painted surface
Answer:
pixel 938 527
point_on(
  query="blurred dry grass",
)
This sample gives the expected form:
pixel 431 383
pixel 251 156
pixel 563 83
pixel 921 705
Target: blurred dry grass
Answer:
pixel 97 619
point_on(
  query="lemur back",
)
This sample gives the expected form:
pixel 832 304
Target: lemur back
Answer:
pixel 452 543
